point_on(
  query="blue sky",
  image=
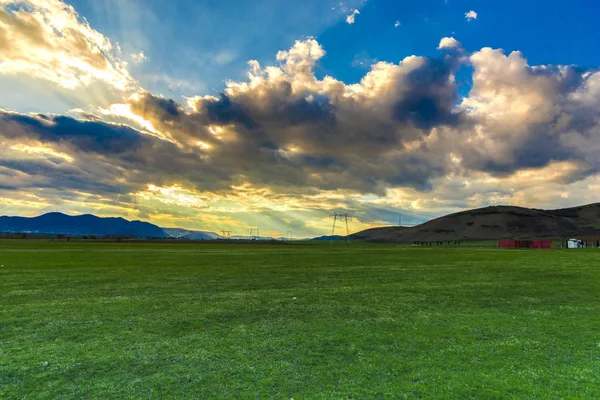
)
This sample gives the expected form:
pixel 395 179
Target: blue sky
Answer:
pixel 229 114
pixel 184 38
pixel 195 46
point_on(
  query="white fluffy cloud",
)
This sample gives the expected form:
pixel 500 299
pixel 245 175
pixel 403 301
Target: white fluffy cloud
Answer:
pixel 471 15
pixel 448 43
pixel 350 18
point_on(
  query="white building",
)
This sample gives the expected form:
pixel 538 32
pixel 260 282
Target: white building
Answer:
pixel 575 244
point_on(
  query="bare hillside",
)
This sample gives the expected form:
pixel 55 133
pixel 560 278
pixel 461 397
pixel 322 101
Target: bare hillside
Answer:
pixel 497 222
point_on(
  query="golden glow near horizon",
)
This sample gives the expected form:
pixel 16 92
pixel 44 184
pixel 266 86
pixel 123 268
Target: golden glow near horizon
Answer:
pixel 248 207
pixel 245 207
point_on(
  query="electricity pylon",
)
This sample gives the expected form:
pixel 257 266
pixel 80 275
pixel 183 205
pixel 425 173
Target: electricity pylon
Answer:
pixel 226 233
pixel 342 217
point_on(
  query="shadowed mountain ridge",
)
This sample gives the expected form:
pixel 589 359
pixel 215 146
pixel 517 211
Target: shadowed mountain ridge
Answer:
pixel 55 223
pixel 495 222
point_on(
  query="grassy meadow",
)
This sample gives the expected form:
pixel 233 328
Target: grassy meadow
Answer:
pixel 157 321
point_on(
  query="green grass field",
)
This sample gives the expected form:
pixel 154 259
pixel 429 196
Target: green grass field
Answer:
pixel 149 321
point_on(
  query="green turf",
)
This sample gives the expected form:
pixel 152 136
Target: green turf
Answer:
pixel 139 321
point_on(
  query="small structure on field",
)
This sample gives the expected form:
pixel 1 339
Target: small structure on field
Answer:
pixel 575 244
pixel 525 244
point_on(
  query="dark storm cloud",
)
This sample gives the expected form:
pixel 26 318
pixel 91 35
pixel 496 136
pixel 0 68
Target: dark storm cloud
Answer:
pixel 94 136
pixel 223 111
pixel 108 158
pixel 45 174
pixel 431 96
pixel 318 110
pixel 158 108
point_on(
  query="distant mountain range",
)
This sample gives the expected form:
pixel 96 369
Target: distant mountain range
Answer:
pixel 204 235
pixel 58 223
pixel 180 233
pixel 496 222
pixel 489 223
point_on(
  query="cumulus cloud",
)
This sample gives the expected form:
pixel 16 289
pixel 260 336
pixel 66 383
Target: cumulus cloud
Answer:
pixel 471 15
pixel 400 126
pixel 350 18
pixel 448 43
pixel 528 116
pixel 321 133
pixel 48 40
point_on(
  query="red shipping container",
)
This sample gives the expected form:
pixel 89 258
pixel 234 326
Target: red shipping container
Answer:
pixel 542 244
pixel 525 244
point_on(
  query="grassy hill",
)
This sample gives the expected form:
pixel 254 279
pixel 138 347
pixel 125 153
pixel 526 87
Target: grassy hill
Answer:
pixel 496 222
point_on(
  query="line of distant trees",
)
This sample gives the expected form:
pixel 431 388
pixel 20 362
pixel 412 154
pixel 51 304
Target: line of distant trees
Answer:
pixel 120 238
pixel 68 238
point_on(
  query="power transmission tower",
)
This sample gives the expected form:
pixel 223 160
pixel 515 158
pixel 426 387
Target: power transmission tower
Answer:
pixel 226 233
pixel 342 217
pixel 289 235
pixel 257 230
